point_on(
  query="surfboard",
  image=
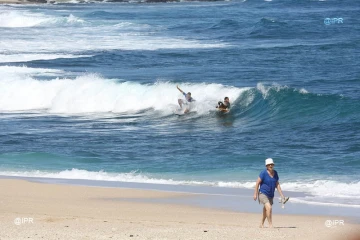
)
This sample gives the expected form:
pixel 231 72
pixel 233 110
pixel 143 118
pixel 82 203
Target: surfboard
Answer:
pixel 222 110
pixel 179 112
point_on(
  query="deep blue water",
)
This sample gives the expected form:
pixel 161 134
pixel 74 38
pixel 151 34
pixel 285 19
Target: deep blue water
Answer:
pixel 87 91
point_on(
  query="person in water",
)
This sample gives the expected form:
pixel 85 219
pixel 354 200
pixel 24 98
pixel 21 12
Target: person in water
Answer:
pixel 188 100
pixel 268 181
pixel 224 105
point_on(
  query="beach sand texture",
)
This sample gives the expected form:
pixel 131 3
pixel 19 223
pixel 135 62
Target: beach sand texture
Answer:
pixel 50 211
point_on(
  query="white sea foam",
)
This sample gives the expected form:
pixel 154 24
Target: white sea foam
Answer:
pixel 20 90
pixel 9 58
pixel 25 19
pixel 320 189
pixel 133 26
pixel 15 19
pixel 313 202
pixel 101 176
pixel 10 73
pixel 95 39
pixel 326 188
pixel 264 89
pixel 303 91
pixel 53 36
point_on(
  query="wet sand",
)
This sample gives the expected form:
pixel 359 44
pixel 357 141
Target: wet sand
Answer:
pixel 49 211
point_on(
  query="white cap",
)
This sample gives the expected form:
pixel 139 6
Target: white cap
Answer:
pixel 269 161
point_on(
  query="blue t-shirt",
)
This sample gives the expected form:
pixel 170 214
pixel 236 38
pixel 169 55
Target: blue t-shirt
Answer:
pixel 268 184
pixel 190 99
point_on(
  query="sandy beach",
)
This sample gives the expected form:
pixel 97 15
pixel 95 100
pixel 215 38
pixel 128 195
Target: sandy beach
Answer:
pixel 48 211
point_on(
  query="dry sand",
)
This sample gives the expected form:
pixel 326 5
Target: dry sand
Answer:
pixel 49 211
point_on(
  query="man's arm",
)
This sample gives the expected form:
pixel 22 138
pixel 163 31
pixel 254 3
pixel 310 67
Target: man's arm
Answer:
pixel 180 89
pixel 257 188
pixel 279 189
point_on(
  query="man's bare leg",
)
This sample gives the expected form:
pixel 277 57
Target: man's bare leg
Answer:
pixel 263 218
pixel 268 208
pixel 180 102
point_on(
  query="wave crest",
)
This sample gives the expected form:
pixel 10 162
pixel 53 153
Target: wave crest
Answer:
pixel 25 19
pixel 20 91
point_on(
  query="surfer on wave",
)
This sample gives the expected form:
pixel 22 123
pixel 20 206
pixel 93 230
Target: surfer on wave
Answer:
pixel 188 100
pixel 224 106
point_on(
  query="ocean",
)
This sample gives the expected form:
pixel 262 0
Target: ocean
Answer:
pixel 88 92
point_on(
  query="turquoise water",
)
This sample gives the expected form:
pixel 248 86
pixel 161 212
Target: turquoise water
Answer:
pixel 87 91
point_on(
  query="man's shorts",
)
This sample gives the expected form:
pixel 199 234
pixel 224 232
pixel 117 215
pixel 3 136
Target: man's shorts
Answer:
pixel 184 102
pixel 265 199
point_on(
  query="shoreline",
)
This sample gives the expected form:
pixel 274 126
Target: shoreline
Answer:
pixel 83 212
pixel 221 198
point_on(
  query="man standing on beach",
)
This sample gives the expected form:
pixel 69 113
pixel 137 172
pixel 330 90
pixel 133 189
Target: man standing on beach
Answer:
pixel 268 181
